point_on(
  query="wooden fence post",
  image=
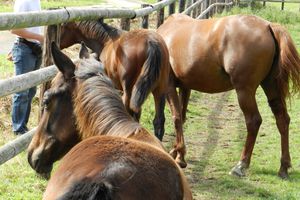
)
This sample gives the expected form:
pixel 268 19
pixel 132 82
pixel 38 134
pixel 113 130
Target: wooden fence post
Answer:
pixel 194 11
pixel 52 33
pixel 188 4
pixel 207 3
pixel 145 19
pixel 198 9
pixel 172 8
pixel 181 6
pixel 125 24
pixel 160 16
pixel 282 4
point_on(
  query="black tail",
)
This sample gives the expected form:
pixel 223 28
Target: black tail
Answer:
pixel 149 75
pixel 89 191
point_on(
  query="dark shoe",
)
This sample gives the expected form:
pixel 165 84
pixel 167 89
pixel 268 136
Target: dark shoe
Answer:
pixel 19 132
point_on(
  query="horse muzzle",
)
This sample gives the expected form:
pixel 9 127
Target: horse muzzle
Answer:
pixel 36 163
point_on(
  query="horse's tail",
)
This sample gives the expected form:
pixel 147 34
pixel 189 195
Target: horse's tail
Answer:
pixel 287 61
pixel 89 190
pixel 148 76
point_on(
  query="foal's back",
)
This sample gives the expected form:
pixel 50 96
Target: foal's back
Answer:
pixel 106 167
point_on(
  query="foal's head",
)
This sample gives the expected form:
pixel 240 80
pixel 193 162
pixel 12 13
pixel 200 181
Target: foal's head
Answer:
pixel 57 132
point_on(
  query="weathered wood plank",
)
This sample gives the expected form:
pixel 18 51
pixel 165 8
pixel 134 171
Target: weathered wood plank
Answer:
pixel 145 19
pixel 211 7
pixel 26 81
pixel 13 148
pixel 48 17
pixel 192 7
pixel 125 24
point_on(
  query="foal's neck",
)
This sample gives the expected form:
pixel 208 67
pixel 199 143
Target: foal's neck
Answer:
pixel 99 110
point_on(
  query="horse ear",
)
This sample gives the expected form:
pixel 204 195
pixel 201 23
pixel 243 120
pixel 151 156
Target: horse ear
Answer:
pixel 63 63
pixel 84 52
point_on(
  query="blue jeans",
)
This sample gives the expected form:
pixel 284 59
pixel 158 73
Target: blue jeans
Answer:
pixel 24 61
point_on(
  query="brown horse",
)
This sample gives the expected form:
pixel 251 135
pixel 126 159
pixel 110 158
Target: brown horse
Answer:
pixel 137 61
pixel 235 52
pixel 115 165
pixel 107 167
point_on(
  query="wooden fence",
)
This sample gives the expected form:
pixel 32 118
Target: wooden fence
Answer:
pixel 282 2
pixel 199 8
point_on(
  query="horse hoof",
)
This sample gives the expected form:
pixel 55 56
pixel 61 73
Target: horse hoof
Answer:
pixel 238 170
pixel 181 163
pixel 283 174
pixel 173 153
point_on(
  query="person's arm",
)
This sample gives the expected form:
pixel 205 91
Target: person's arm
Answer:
pixel 28 35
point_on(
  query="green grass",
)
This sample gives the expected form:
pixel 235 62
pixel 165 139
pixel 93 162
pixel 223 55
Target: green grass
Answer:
pixel 215 133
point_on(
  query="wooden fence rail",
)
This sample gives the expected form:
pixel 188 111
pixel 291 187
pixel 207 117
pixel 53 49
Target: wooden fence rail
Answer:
pixel 49 17
pixel 13 148
pixel 26 81
pixel 34 78
pixel 201 16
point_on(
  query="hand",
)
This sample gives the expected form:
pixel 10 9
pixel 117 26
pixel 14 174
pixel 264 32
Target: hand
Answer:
pixel 9 56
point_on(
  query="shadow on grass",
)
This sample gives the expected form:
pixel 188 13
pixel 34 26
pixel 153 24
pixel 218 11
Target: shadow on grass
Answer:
pixel 226 187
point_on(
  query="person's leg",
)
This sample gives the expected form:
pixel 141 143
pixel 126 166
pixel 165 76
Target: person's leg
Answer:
pixel 24 61
pixel 32 91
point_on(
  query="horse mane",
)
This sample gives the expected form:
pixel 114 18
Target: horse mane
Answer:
pixel 99 107
pixel 98 29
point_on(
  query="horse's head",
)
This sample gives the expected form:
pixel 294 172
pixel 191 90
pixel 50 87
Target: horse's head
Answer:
pixel 94 33
pixel 57 132
pixel 69 35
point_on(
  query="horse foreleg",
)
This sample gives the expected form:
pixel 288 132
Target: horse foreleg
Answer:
pixel 178 152
pixel 184 95
pixel 159 120
pixel 278 108
pixel 253 121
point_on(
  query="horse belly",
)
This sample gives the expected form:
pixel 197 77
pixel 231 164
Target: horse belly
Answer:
pixel 212 79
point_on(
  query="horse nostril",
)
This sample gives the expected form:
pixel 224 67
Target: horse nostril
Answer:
pixel 33 160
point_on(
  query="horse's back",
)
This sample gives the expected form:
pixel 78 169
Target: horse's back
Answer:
pixel 207 54
pixel 120 167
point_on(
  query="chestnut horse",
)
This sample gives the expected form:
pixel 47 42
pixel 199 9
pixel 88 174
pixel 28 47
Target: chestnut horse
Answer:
pixel 115 166
pixel 137 61
pixel 234 52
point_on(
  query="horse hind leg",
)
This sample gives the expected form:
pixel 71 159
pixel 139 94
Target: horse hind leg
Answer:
pixel 178 152
pixel 184 95
pixel 247 102
pixel 278 107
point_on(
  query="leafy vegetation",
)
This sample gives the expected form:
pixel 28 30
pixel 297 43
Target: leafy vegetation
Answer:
pixel 214 132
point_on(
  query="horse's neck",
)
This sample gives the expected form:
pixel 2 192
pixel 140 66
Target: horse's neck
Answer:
pixel 114 121
pixel 106 118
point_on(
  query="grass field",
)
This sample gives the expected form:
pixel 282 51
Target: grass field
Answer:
pixel 214 132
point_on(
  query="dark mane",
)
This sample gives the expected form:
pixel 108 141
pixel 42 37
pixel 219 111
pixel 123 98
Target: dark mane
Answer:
pixel 98 29
pixel 101 111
